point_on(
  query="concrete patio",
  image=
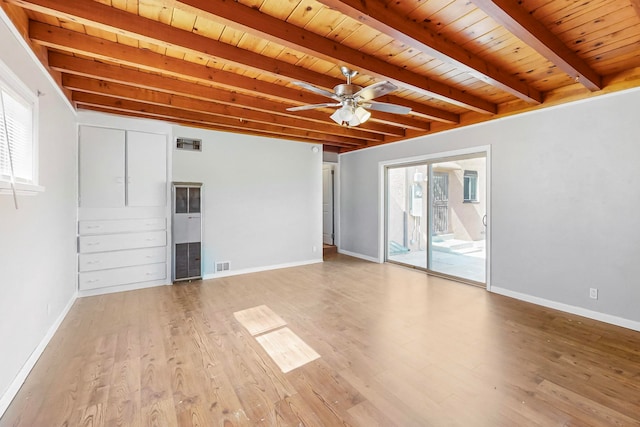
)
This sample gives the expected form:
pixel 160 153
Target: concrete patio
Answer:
pixel 468 262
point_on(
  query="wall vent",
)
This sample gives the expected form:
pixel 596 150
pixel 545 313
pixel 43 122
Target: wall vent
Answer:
pixel 189 144
pixel 223 266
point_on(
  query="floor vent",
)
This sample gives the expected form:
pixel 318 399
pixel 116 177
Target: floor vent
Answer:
pixel 223 266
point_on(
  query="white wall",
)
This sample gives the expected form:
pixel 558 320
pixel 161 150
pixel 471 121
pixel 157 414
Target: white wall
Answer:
pixel 564 206
pixel 37 242
pixel 262 201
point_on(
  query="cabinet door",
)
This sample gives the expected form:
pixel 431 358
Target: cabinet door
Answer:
pixel 146 169
pixel 102 171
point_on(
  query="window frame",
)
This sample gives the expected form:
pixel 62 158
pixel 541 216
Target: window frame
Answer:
pixel 470 186
pixel 11 84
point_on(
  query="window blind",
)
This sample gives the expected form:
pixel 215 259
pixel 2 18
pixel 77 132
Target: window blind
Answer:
pixel 18 117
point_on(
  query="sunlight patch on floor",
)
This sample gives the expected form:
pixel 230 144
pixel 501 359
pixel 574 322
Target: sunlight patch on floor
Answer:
pixel 287 349
pixel 284 347
pixel 258 320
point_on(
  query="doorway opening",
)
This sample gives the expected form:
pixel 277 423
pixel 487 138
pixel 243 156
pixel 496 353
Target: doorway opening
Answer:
pixel 329 246
pixel 436 216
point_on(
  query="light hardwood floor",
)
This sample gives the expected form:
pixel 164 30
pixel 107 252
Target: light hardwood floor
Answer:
pixel 397 348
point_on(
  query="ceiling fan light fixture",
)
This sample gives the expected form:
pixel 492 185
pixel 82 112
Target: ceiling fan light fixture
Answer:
pixel 343 115
pixel 353 100
pixel 361 115
pixel 349 115
pixel 336 116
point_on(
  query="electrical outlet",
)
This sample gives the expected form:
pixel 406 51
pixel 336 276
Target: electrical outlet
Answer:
pixel 593 293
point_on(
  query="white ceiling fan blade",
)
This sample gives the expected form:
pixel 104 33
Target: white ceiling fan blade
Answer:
pixel 316 89
pixel 312 106
pixel 387 108
pixel 375 90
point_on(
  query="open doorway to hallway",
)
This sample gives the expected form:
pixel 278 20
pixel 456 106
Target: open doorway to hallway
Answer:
pixel 329 209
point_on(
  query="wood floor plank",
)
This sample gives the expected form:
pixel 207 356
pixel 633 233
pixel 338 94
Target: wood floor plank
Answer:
pixel 123 403
pixel 247 364
pixel 586 410
pixel 396 347
pixel 295 411
pixel 366 414
pixel 383 399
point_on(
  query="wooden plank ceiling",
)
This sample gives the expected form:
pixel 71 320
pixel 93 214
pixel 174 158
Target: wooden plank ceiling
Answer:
pixel 230 65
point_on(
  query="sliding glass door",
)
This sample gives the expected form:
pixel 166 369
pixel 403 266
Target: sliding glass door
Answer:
pixel 436 216
pixel 407 215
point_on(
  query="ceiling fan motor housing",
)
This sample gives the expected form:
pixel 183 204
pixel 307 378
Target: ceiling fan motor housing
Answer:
pixel 346 90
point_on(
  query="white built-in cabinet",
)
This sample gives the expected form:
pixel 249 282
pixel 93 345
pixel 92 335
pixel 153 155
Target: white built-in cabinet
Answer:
pixel 121 168
pixel 122 227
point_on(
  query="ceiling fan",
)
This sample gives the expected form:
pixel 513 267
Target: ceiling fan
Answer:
pixel 353 100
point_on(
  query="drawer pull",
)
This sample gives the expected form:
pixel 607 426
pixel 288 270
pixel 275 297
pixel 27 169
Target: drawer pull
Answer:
pixel 93 243
pixel 151 239
pixel 149 273
pixel 93 280
pixel 149 256
pixel 94 226
pixel 93 262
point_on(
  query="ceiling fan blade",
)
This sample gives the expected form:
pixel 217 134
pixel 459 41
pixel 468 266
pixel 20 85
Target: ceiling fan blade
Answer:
pixel 375 90
pixel 312 106
pixel 316 89
pixel 387 108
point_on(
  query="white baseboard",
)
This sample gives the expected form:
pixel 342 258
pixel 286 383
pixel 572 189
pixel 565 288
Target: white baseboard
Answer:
pixel 17 382
pixel 259 269
pixel 595 315
pixel 357 255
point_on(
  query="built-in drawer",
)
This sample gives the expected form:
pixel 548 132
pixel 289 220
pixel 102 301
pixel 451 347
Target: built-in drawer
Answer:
pixel 121 276
pixel 104 260
pixel 121 226
pixel 118 242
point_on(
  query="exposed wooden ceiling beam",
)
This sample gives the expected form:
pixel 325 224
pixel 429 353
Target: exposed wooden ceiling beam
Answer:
pixel 375 14
pixel 168 113
pixel 121 22
pixel 333 146
pixel 107 18
pixel 255 22
pixel 121 91
pixel 113 73
pixel 520 23
pixel 66 40
pixel 636 6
